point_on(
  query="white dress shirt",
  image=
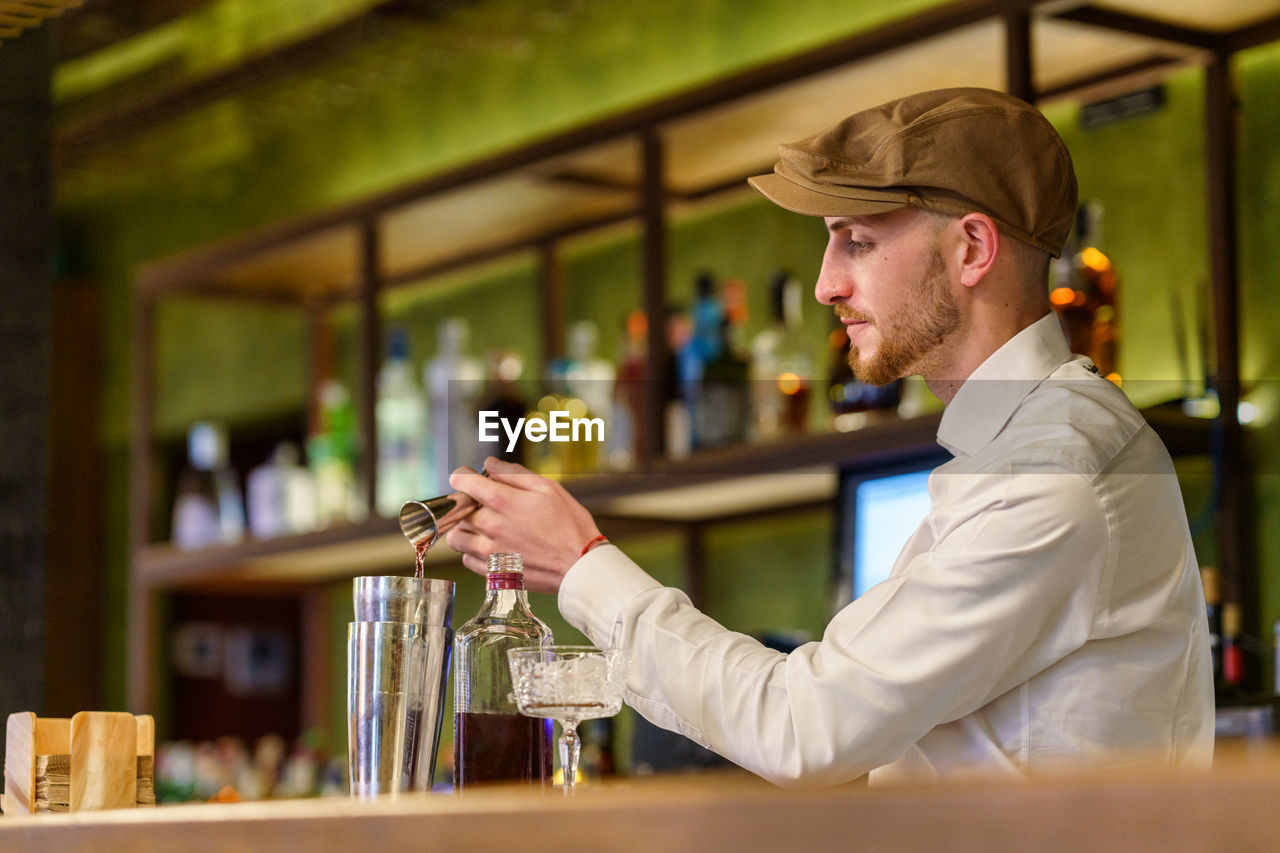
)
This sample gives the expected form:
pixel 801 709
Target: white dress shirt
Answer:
pixel 1048 610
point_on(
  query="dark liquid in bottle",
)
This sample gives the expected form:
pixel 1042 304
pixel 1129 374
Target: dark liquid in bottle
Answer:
pixel 500 748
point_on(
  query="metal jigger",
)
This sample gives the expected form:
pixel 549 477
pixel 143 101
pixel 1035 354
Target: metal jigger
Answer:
pixel 424 522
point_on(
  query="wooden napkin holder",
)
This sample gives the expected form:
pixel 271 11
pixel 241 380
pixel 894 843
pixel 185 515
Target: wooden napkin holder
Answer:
pixel 108 757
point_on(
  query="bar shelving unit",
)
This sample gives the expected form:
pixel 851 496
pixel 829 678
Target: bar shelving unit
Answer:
pixel 649 167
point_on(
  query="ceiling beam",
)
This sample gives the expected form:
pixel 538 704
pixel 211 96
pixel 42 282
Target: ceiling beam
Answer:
pixel 1139 26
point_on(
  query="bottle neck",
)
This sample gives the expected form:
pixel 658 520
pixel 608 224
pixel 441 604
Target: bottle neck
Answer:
pixel 505 592
pixel 504 581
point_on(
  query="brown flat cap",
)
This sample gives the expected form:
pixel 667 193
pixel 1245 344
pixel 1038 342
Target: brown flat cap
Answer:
pixel 952 151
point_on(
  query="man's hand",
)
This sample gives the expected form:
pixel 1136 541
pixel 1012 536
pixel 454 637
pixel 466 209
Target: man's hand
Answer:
pixel 523 512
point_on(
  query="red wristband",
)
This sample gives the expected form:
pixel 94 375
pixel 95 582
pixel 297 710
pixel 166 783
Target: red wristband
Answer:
pixel 596 541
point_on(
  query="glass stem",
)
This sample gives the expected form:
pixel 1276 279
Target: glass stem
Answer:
pixel 569 748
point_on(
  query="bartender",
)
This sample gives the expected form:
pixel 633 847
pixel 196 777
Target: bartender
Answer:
pixel 1047 611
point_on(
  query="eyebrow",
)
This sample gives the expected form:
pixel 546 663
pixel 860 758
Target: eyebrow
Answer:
pixel 842 222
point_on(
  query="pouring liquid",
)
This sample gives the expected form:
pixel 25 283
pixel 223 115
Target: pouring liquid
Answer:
pixel 420 557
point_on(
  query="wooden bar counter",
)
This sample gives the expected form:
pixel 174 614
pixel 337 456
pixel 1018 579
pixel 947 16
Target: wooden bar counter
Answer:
pixel 1234 807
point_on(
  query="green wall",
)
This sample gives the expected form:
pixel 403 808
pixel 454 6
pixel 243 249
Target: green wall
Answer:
pixel 542 67
pixel 1258 72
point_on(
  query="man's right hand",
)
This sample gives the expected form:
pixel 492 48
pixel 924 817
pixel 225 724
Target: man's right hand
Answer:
pixel 525 513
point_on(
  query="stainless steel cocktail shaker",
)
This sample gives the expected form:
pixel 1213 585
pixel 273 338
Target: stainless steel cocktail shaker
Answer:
pixel 397 669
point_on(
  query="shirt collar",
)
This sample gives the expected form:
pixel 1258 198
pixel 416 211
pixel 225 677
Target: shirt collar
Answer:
pixel 988 398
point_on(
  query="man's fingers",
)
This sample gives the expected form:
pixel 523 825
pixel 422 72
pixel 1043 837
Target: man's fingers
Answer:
pixel 515 475
pixel 503 471
pixel 483 489
pixel 475 564
pixel 537 580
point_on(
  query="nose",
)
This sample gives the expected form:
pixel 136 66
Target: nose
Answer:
pixel 833 283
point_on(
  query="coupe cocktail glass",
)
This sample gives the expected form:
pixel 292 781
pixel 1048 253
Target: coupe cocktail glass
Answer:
pixel 569 684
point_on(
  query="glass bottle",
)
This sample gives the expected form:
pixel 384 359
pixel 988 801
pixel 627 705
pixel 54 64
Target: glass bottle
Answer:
pixel 502 395
pixel 1094 268
pixel 493 741
pixel 627 425
pixel 1233 664
pixel 208 508
pixel 331 457
pixel 454 380
pixel 850 397
pixel 401 424
pixel 781 367
pixel 722 407
pixel 589 379
pixel 280 495
pixel 1083 292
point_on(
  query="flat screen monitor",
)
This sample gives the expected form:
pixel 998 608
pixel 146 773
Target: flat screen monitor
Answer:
pixel 879 511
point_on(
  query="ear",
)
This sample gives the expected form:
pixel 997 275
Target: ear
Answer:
pixel 980 246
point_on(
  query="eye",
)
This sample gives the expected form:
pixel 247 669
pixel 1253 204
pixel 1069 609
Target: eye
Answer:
pixel 858 247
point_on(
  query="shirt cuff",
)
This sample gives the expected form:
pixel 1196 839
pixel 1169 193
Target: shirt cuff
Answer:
pixel 597 587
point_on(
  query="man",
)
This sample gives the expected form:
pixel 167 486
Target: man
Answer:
pixel 1047 611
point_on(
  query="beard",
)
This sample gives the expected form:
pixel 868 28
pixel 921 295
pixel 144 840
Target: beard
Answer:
pixel 908 338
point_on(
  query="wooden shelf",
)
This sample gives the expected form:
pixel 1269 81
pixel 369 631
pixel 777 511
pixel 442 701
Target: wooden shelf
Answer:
pixel 709 486
pixel 714 484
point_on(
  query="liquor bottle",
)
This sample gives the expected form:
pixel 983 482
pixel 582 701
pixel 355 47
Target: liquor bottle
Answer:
pixel 331 457
pixel 1095 270
pixel 454 380
pixel 208 508
pixel 848 396
pixel 627 425
pixel 401 424
pixel 680 383
pixel 280 495
pixel 781 368
pixel 1083 292
pixel 700 344
pixel 1067 296
pixel 502 395
pixel 493 741
pixel 1232 651
pixel 589 379
pixel 722 404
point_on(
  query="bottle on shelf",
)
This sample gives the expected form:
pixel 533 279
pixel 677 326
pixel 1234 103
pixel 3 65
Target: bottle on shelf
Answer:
pixel 781 367
pixel 850 398
pixel 721 406
pixel 549 458
pixel 208 508
pixel 1084 293
pixel 401 424
pixel 454 380
pixel 493 742
pixel 502 395
pixel 589 379
pixel 331 458
pixel 627 423
pixel 1233 665
pixel 700 340
pixel 280 495
pixel 683 370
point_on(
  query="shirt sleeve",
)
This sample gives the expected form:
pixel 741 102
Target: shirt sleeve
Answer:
pixel 1008 587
